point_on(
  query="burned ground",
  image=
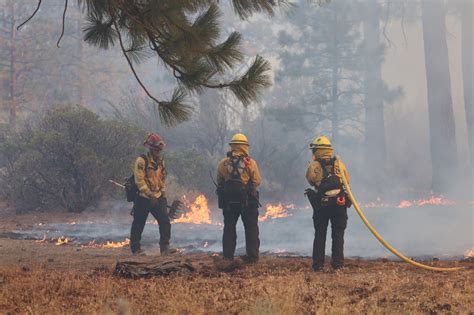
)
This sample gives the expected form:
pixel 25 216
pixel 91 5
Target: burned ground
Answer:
pixel 42 278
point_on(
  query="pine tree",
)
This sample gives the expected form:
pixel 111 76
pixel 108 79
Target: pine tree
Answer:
pixel 185 36
pixel 444 154
pixel 468 71
pixel 325 59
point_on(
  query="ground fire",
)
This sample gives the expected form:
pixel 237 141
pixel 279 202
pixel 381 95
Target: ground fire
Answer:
pixel 405 203
pixel 62 241
pixel 274 211
pixel 198 213
pixel 108 244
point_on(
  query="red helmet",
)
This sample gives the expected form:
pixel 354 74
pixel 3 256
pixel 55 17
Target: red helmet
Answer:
pixel 154 141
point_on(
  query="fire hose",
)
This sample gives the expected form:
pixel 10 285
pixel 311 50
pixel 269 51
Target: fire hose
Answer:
pixel 382 241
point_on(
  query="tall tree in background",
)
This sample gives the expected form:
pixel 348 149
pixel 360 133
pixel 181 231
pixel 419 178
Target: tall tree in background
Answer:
pixel 444 156
pixel 468 70
pixel 374 102
pixel 9 59
pixel 323 56
pixel 35 75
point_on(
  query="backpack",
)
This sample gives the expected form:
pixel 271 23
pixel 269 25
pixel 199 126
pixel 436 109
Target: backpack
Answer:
pixel 235 192
pixel 131 189
pixel 330 180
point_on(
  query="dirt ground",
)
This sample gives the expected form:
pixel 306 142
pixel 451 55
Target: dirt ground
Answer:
pixel 42 278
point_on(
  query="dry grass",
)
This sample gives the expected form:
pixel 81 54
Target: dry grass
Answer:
pixel 47 279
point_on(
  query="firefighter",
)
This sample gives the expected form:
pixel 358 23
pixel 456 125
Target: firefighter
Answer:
pixel 150 174
pixel 329 202
pixel 238 178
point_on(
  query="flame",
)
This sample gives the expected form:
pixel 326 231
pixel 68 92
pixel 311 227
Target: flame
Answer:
pixel 432 200
pixel 62 241
pixel 199 213
pixel 43 240
pixel 275 211
pixel 378 203
pixel 109 244
pixel 404 203
pixel 469 253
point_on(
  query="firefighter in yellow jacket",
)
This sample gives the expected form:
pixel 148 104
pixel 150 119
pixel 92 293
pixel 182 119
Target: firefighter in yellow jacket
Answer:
pixel 150 174
pixel 329 201
pixel 238 178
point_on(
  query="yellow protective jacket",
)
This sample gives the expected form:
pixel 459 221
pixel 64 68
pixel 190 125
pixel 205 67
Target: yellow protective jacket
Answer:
pixel 250 173
pixel 150 182
pixel 314 174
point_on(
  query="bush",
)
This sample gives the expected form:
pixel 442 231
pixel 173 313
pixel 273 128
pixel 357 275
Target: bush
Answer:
pixel 191 169
pixel 65 160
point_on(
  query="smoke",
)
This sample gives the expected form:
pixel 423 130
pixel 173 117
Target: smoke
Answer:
pixel 417 232
pixel 288 117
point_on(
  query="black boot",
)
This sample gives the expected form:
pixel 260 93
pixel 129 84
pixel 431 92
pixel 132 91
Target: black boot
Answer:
pixel 317 267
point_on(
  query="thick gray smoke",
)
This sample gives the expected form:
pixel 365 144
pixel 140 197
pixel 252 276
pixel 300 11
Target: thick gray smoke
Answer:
pixel 323 60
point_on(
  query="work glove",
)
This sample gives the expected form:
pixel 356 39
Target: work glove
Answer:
pixel 175 208
pixel 154 202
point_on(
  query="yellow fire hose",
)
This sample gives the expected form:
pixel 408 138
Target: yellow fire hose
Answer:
pixel 381 240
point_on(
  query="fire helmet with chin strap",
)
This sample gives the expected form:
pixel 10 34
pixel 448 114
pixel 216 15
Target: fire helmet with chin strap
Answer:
pixel 321 142
pixel 154 141
pixel 239 138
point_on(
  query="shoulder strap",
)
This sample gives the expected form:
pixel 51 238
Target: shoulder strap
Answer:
pixel 325 163
pixel 235 163
pixel 145 158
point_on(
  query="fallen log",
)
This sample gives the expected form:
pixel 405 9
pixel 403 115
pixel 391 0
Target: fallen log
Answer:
pixel 131 269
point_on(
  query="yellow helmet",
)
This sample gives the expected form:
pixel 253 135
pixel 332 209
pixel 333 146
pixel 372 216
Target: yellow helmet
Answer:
pixel 239 138
pixel 321 142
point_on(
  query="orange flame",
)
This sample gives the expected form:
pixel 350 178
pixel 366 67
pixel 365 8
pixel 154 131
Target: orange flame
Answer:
pixel 62 241
pixel 275 211
pixel 433 200
pixel 199 213
pixel 109 244
pixel 43 240
pixel 469 253
pixel 378 203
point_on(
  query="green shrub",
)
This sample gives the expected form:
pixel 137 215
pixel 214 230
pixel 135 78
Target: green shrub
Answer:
pixel 191 169
pixel 65 160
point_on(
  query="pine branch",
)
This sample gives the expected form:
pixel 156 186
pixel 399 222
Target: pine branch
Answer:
pixel 223 56
pixel 247 88
pixel 245 8
pixel 63 24
pixel 31 16
pixel 174 111
pixel 98 33
pixel 205 28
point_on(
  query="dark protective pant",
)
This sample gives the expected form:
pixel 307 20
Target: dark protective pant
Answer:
pixel 141 208
pixel 321 217
pixel 250 219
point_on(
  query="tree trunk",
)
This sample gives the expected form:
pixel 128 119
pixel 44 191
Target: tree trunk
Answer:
pixel 335 83
pixel 374 107
pixel 13 72
pixel 81 61
pixel 444 157
pixel 467 72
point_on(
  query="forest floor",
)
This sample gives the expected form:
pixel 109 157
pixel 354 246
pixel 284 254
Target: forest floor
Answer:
pixel 42 278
